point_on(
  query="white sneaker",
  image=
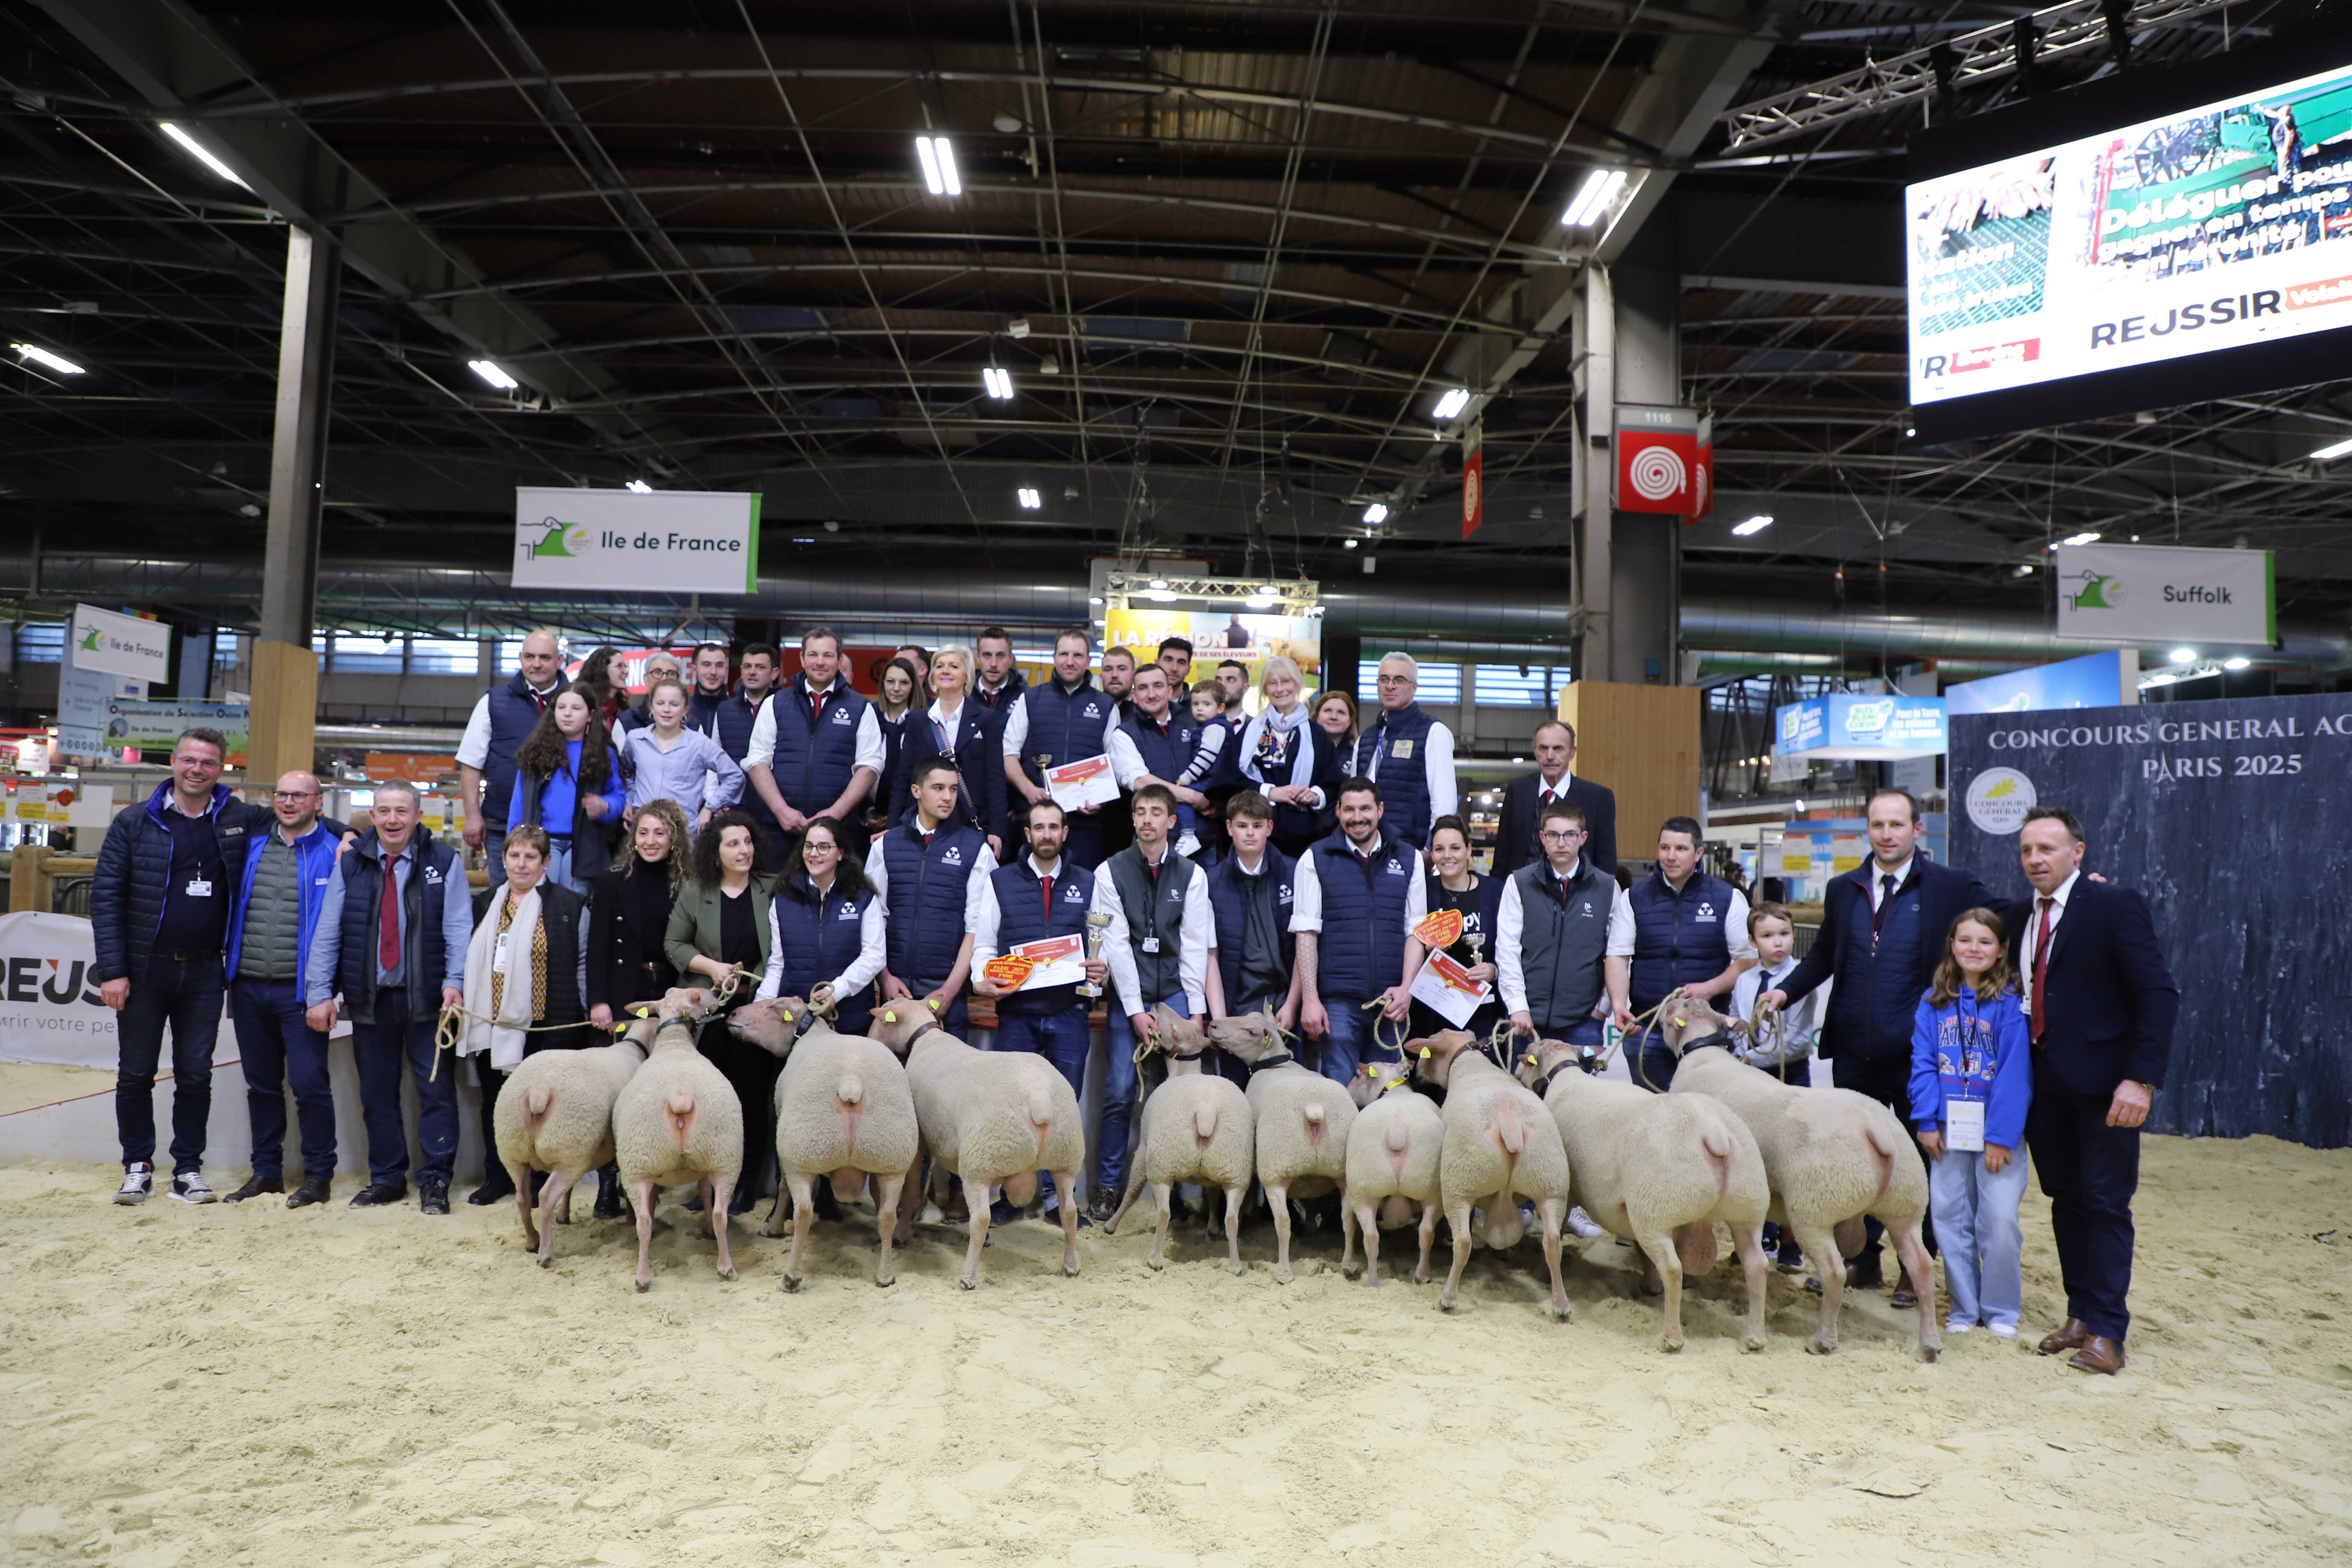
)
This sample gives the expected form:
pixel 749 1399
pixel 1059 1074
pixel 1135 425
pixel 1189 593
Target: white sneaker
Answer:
pixel 1581 1223
pixel 189 1187
pixel 2001 1331
pixel 138 1182
pixel 1956 1326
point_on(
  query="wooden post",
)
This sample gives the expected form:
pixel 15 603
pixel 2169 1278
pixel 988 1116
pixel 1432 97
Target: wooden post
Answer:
pixel 285 670
pixel 1643 741
pixel 28 879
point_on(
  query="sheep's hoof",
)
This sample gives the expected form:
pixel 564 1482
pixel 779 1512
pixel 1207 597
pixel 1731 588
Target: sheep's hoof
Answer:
pixel 968 1284
pixel 644 1286
pixel 1928 1353
pixel 880 1283
pixel 1445 1305
pixel 546 1260
pixel 1564 1315
pixel 1281 1276
pixel 792 1285
pixel 1820 1346
pixel 1238 1270
pixel 1069 1270
pixel 1155 1264
pixel 1353 1270
pixel 1752 1343
pixel 1669 1346
pixel 727 1274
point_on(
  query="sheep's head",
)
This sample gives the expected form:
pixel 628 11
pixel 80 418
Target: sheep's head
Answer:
pixel 1432 1060
pixel 1686 1020
pixel 1374 1079
pixel 1175 1034
pixel 896 1024
pixel 773 1025
pixel 1536 1065
pixel 1250 1036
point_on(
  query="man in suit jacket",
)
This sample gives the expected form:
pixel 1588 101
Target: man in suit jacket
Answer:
pixel 1524 798
pixel 2100 1006
pixel 1883 926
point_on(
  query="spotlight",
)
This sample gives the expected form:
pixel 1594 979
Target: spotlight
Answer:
pixel 1754 525
pixel 638 487
pixel 2242 662
pixel 1376 513
pixel 2184 655
pixel 999 383
pixel 2086 538
pixel 1030 500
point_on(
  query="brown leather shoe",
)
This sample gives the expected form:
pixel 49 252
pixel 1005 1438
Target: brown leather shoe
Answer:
pixel 2099 1354
pixel 2069 1338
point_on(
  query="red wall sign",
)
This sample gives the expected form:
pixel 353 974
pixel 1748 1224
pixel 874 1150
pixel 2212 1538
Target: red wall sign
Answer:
pixel 1665 460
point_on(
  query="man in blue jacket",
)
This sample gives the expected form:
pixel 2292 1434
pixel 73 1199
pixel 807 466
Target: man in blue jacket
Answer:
pixel 1883 925
pixel 159 909
pixel 269 926
pixel 502 721
pixel 1067 719
pixel 2100 1008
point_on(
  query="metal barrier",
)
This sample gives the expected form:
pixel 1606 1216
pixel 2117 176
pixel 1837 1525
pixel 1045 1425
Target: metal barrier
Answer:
pixel 70 896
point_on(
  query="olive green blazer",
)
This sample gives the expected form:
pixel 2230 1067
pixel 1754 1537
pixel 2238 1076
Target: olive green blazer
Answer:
pixel 694 925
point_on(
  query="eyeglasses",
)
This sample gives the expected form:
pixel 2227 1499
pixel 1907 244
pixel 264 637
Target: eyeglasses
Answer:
pixel 1396 681
pixel 294 795
pixel 1562 835
pixel 204 764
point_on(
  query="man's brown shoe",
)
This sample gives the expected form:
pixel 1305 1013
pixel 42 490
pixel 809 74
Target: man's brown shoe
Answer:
pixel 2069 1338
pixel 256 1185
pixel 2099 1354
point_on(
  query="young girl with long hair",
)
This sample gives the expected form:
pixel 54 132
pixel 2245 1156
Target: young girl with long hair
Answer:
pixel 568 783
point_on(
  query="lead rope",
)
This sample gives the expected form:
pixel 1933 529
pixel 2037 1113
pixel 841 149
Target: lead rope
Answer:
pixel 450 1030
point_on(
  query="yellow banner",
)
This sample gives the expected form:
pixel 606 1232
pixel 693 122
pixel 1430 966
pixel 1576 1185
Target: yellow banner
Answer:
pixel 1217 635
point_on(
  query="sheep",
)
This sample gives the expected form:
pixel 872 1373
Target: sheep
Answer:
pixel 842 1108
pixel 1196 1127
pixel 1302 1120
pixel 1392 1163
pixel 993 1117
pixel 678 1121
pixel 556 1113
pixel 1498 1140
pixel 1830 1155
pixel 1659 1171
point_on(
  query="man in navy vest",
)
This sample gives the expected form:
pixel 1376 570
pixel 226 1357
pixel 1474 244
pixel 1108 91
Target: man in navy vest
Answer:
pixel 1680 929
pixel 1155 747
pixel 1883 925
pixel 998 684
pixel 1409 754
pixel 502 721
pixel 397 962
pixel 2100 1009
pixel 1067 719
pixel 729 718
pixel 930 877
pixel 1156 946
pixel 1041 896
pixel 815 748
pixel 1253 894
pixel 1551 938
pixel 1359 893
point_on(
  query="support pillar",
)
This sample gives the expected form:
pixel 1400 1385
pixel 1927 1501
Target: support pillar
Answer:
pixel 285 670
pixel 1590 619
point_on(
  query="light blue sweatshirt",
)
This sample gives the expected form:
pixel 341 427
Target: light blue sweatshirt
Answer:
pixel 679 773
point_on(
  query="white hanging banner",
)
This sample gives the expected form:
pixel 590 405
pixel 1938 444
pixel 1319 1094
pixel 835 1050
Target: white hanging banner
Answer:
pixel 120 645
pixel 2149 593
pixel 682 542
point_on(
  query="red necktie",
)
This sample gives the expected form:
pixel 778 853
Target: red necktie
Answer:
pixel 387 941
pixel 2041 969
pixel 1047 883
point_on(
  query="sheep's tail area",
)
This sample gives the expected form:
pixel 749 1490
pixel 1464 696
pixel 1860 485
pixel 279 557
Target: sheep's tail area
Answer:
pixel 679 1119
pixel 849 1094
pixel 1040 1118
pixel 1716 1140
pixel 1875 1135
pixel 1205 1124
pixel 537 1101
pixel 1314 1115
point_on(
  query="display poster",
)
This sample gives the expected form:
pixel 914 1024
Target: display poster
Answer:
pixel 156 726
pixel 2162 592
pixel 120 645
pixel 680 542
pixel 1873 728
pixel 2093 681
pixel 1665 460
pixel 1219 635
pixel 50 1009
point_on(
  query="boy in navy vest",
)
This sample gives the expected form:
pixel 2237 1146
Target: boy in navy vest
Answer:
pixel 502 721
pixel 1409 754
pixel 1157 948
pixel 1681 929
pixel 1359 893
pixel 816 746
pixel 1155 747
pixel 1254 895
pixel 930 877
pixel 1552 935
pixel 1067 719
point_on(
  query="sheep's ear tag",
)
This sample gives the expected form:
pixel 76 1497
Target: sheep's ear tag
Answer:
pixel 932 1003
pixel 1424 1053
pixel 889 1018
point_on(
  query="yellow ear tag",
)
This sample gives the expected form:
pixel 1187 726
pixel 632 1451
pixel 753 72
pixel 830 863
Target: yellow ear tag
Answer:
pixel 889 1018
pixel 1424 1053
pixel 933 1002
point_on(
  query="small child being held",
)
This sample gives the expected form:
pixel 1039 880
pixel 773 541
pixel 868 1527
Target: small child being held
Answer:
pixel 1971 1081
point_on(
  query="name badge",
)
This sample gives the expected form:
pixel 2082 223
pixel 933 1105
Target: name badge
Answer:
pixel 498 960
pixel 1964 1125
pixel 200 888
pixel 1151 945
pixel 1402 750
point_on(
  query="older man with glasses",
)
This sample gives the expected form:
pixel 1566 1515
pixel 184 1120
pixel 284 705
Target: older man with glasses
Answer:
pixel 1409 754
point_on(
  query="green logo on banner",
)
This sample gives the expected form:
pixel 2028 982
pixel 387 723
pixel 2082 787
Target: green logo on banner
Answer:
pixel 90 643
pixel 2099 592
pixel 569 541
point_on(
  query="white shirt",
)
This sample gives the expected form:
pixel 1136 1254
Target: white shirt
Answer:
pixel 2022 952
pixel 975 885
pixel 1437 762
pixel 1735 926
pixel 761 751
pixel 1510 931
pixel 1307 896
pixel 1016 724
pixel 984 943
pixel 1799 1019
pixel 474 750
pixel 1901 874
pixel 873 951
pixel 1193 938
pixel 1126 767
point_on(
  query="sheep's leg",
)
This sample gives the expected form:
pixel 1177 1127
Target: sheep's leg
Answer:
pixel 910 1199
pixel 1348 1264
pixel 1457 1217
pixel 1234 1232
pixel 564 1214
pixel 1660 1261
pixel 1366 1220
pixel 1428 1239
pixel 1553 1211
pixel 520 1176
pixel 1134 1186
pixel 1821 1246
pixel 1914 1254
pixel 559 1191
pixel 1165 1192
pixel 774 1224
pixel 803 1188
pixel 722 1188
pixel 641 1194
pixel 886 1198
pixel 1066 1183
pixel 1745 1240
pixel 1278 1198
pixel 975 1203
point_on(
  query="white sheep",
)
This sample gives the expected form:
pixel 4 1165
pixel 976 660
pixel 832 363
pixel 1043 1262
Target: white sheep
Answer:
pixel 1499 1141
pixel 843 1108
pixel 1196 1127
pixel 1302 1120
pixel 1659 1170
pixel 1832 1156
pixel 678 1121
pixel 555 1114
pixel 991 1118
pixel 1393 1163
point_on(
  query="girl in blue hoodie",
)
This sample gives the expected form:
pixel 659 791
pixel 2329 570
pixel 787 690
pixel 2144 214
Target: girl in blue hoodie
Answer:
pixel 1971 1083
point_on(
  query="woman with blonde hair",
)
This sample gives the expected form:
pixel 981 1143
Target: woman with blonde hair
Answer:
pixel 967 734
pixel 1291 759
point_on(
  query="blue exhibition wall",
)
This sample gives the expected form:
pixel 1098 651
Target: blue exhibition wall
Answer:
pixel 2231 818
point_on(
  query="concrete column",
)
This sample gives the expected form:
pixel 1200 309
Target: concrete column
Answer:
pixel 1596 345
pixel 285 670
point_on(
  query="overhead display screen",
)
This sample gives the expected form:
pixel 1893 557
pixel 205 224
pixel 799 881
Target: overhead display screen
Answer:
pixel 2227 227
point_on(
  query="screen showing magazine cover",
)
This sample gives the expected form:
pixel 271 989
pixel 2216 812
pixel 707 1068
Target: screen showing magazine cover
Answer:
pixel 2226 225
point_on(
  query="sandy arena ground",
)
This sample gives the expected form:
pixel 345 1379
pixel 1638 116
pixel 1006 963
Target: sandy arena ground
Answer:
pixel 215 1386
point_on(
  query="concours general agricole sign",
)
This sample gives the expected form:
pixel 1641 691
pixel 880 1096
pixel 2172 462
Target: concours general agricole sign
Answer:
pixel 683 542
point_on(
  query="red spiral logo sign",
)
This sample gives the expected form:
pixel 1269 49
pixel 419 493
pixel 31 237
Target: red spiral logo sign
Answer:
pixel 1657 473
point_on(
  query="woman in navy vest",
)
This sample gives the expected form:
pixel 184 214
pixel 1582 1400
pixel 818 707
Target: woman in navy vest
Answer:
pixel 1290 759
pixel 891 711
pixel 1451 884
pixel 1335 716
pixel 568 784
pixel 966 734
pixel 828 929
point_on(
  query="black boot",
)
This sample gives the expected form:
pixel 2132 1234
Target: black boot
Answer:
pixel 608 1191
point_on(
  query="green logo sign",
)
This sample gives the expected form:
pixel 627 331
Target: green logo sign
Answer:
pixel 2098 592
pixel 569 541
pixel 90 643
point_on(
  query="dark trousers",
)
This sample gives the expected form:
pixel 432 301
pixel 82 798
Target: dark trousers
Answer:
pixel 1654 1066
pixel 752 1073
pixel 186 994
pixel 274 1043
pixel 955 1018
pixel 380 1050
pixel 2089 1171
pixel 1885 1079
pixel 1060 1037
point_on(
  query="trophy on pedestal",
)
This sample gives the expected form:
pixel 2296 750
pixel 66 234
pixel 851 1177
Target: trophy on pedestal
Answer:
pixel 1098 931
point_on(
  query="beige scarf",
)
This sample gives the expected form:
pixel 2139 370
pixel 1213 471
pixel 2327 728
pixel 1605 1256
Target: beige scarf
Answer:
pixel 504 1039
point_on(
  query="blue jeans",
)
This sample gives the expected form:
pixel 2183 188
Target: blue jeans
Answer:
pixel 274 1043
pixel 379 1050
pixel 1062 1039
pixel 1352 1038
pixel 187 996
pixel 1975 1213
pixel 494 853
pixel 559 867
pixel 1118 1090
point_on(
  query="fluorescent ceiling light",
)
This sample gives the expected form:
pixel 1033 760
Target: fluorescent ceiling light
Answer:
pixel 1754 525
pixel 490 372
pixel 1376 513
pixel 1094 598
pixel 1452 402
pixel 2087 538
pixel 1030 500
pixel 1593 197
pixel 2240 662
pixel 196 149
pixel 937 158
pixel 2184 655
pixel 1347 545
pixel 639 487
pixel 1159 581
pixel 2329 454
pixel 998 382
pixel 1259 600
pixel 39 356
pixel 1161 597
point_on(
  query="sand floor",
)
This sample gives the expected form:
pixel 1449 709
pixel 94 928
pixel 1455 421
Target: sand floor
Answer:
pixel 215 1386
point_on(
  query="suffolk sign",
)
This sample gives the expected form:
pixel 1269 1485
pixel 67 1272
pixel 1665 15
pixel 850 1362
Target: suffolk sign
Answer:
pixel 2150 594
pixel 684 541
